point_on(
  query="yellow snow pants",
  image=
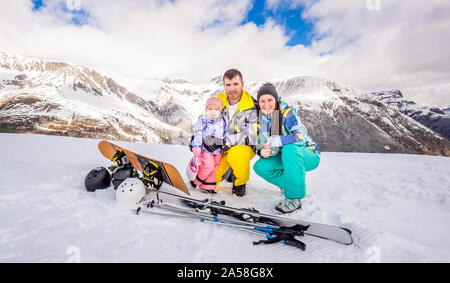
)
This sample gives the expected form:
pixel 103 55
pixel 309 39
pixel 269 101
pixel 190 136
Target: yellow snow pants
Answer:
pixel 238 158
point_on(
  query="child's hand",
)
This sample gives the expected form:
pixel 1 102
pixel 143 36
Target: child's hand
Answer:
pixel 197 151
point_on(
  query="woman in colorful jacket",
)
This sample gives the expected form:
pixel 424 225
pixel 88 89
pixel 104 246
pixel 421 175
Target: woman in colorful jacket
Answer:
pixel 286 149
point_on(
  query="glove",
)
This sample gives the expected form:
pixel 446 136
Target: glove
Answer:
pixel 211 143
pixel 197 151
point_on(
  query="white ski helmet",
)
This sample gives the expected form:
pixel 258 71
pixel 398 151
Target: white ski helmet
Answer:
pixel 130 192
pixel 192 168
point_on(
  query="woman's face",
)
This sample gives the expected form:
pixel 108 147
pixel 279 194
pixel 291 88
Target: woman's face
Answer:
pixel 267 103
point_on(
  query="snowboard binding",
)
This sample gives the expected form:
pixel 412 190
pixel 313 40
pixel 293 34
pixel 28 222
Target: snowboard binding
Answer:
pixel 121 160
pixel 152 175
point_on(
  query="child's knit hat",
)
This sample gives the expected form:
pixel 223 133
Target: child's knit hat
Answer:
pixel 215 101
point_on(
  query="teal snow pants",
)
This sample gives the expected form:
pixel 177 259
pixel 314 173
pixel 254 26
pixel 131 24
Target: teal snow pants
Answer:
pixel 287 169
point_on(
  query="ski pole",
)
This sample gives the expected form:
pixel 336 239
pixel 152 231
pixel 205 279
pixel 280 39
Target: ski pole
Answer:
pixel 211 220
pixel 228 219
pixel 295 230
pixel 287 239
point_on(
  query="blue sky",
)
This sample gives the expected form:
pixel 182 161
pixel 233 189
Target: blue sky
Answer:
pixel 78 16
pixel 296 28
pixel 37 4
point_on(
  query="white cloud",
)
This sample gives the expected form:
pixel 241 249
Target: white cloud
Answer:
pixel 403 45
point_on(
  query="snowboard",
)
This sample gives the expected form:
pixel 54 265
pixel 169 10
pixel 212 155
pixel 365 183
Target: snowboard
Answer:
pixel 169 173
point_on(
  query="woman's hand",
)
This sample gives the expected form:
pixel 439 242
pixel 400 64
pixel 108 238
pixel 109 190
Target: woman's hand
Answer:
pixel 265 152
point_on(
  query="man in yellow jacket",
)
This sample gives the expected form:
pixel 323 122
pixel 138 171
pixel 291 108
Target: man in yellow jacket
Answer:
pixel 239 110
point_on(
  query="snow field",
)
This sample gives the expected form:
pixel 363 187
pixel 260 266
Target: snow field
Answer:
pixel 397 206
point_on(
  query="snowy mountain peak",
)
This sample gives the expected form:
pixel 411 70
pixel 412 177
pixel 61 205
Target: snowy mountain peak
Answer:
pixel 435 118
pixel 175 80
pixel 38 96
pixel 217 79
pixel 41 72
pixel 388 94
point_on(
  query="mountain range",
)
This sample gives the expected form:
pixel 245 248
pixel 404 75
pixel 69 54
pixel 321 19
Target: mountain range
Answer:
pixel 58 98
pixel 435 118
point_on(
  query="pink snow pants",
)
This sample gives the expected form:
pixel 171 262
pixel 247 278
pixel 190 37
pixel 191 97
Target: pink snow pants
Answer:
pixel 206 176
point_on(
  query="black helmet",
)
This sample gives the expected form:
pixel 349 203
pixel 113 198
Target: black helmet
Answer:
pixel 98 179
pixel 122 173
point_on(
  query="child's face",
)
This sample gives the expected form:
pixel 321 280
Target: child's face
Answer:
pixel 213 111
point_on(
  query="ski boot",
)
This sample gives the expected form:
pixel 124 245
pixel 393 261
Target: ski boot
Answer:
pixel 195 187
pixel 239 190
pixel 289 205
pixel 229 176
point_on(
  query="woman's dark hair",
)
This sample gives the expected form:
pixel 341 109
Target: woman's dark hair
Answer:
pixel 276 126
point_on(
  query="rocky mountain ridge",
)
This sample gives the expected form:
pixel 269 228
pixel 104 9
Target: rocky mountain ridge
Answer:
pixel 435 118
pixel 44 97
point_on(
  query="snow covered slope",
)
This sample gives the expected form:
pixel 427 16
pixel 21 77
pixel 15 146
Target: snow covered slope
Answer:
pixel 398 207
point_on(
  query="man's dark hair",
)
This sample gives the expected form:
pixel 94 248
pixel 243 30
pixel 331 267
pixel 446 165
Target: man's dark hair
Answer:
pixel 231 73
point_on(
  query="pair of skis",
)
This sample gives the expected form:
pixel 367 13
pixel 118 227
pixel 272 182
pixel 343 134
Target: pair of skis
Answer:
pixel 273 227
pixel 273 234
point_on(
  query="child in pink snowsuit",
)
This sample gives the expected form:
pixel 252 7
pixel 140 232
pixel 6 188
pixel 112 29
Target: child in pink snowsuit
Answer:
pixel 209 133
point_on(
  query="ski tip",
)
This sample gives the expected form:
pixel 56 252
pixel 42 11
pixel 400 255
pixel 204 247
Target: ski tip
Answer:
pixel 348 230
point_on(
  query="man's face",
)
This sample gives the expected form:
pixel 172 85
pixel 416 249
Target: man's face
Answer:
pixel 233 88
